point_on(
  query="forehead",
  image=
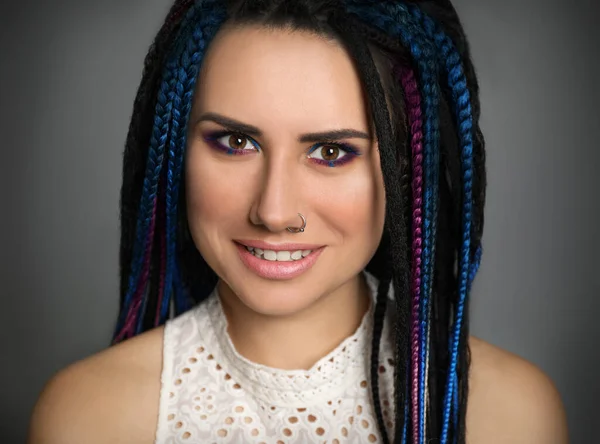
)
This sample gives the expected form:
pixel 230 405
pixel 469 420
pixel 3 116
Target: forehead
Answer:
pixel 292 80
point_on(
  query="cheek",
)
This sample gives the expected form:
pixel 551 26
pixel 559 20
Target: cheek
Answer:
pixel 357 208
pixel 218 198
pixel 213 195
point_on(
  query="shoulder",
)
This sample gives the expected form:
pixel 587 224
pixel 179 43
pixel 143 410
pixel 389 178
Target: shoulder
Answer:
pixel 511 400
pixel 112 396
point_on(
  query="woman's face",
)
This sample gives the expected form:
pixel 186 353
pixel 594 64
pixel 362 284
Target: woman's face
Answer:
pixel 258 154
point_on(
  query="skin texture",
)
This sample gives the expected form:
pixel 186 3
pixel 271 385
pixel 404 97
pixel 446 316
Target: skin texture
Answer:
pixel 258 195
pixel 113 396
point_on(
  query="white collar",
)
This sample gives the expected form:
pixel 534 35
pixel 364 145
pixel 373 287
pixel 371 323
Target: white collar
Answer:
pixel 330 376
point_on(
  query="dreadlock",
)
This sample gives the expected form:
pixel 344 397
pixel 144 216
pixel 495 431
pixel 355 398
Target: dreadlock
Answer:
pixel 414 62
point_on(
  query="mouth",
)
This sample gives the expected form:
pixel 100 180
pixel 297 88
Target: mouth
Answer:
pixel 278 262
pixel 278 256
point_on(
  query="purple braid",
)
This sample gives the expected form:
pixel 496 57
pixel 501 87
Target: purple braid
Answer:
pixel 133 314
pixel 145 277
pixel 415 120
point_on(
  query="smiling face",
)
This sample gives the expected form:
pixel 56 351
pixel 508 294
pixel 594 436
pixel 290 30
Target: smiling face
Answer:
pixel 279 127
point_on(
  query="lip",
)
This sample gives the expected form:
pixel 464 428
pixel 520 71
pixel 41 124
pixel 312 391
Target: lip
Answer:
pixel 278 247
pixel 278 270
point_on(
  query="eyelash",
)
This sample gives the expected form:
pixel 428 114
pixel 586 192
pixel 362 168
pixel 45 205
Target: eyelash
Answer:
pixel 351 152
pixel 212 140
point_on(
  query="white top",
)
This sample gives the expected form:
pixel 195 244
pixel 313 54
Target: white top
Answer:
pixel 212 394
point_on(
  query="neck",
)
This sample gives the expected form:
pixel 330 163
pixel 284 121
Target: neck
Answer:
pixel 300 340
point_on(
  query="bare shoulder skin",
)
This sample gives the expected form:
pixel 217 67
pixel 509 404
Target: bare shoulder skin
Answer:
pixel 511 400
pixel 110 397
pixel 113 396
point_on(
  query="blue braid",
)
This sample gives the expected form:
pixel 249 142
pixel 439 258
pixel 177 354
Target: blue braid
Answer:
pixel 140 320
pixel 203 21
pixel 395 20
pixel 430 216
pixel 430 92
pixel 455 408
pixel 156 151
pixel 457 82
pixel 455 403
pixel 431 198
pixel 472 272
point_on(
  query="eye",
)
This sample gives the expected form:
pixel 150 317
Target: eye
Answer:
pixel 329 153
pixel 232 142
pixel 236 142
pixel 332 154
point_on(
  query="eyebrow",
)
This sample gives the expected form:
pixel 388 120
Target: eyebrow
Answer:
pixel 250 130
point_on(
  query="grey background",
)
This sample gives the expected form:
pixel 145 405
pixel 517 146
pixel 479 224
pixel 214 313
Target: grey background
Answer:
pixel 68 74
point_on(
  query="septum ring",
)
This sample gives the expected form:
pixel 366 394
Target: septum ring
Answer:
pixel 301 229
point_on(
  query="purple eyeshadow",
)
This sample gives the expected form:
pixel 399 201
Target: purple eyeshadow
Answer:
pixel 213 137
pixel 351 154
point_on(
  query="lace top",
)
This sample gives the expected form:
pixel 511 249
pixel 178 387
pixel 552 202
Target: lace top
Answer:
pixel 212 394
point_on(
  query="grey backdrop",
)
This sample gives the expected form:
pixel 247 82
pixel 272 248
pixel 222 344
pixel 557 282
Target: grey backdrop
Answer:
pixel 68 74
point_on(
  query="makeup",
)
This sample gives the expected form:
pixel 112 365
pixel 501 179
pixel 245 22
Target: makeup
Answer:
pixel 278 262
pixel 345 150
pixel 349 153
pixel 213 137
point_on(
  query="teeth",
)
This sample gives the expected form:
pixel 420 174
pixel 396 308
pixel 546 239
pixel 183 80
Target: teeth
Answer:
pixel 296 255
pixel 279 256
pixel 270 255
pixel 284 256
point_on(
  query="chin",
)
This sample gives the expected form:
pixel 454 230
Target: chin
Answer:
pixel 269 301
pixel 275 297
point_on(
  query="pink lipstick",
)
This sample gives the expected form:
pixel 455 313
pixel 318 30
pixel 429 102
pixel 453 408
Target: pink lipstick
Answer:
pixel 295 259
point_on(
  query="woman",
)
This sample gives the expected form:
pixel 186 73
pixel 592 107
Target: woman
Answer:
pixel 303 199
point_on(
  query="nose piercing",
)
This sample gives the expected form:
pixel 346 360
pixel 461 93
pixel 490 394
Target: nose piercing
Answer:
pixel 298 230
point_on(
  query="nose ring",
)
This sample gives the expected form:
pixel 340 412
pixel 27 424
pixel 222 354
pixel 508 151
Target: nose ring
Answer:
pixel 301 229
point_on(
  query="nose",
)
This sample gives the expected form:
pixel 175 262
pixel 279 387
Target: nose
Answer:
pixel 276 205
